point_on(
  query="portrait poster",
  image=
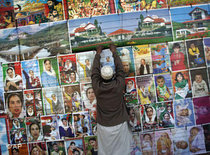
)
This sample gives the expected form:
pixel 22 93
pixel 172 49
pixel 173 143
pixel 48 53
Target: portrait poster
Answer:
pixel 130 95
pixel 2 106
pixel 91 145
pixel 18 148
pixel 199 80
pixel 17 123
pixel 82 124
pixel 195 51
pixel 206 43
pixel 107 59
pixel 66 129
pixel 12 76
pixel 50 128
pixel 31 74
pixel 178 55
pixel 202 110
pixel 149 118
pixel 75 145
pixel 33 102
pixel 136 144
pixel 39 147
pixel 181 84
pixel 146 89
pixel 9 48
pixel 180 141
pixel 52 101
pixel 68 69
pixel 135 118
pixel 16 110
pixel 18 135
pixel 163 141
pixel 49 72
pixel 88 8
pixel 72 98
pixel 206 130
pixel 56 147
pixel 40 12
pixel 143 60
pixel 160 58
pixel 184 113
pixel 84 65
pixel 126 56
pixel 184 21
pixel 148 143
pixel 164 88
pixel 34 129
pixel 196 140
pixel 165 115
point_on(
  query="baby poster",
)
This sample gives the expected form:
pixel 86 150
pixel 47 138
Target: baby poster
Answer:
pixel 143 60
pixel 148 143
pixel 184 113
pixel 146 89
pixel 72 98
pixel 182 85
pixel 52 101
pixel 163 141
pixel 164 89
pixel 180 141
pixel 126 56
pixel 202 109
pixel 131 94
pixel 178 56
pixel 160 58
pixel 31 74
pixel 49 72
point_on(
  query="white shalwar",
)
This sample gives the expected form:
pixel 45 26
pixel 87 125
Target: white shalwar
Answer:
pixel 114 140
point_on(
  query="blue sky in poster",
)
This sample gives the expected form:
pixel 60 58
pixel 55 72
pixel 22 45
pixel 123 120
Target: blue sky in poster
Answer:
pixel 182 14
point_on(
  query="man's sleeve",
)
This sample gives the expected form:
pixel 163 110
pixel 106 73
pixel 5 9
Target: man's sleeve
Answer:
pixel 120 75
pixel 96 72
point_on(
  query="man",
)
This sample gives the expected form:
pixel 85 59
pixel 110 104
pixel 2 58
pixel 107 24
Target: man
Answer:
pixel 144 68
pixel 126 68
pixel 113 133
pixel 15 105
pixel 56 150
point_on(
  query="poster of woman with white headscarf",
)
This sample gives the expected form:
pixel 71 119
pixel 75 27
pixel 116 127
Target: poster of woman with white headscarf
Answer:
pixel 49 72
pixel 12 76
pixel 130 93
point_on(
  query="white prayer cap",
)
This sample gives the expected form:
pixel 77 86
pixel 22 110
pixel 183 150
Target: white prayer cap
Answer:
pixel 107 72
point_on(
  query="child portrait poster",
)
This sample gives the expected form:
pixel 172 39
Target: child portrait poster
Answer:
pixel 31 74
pixel 196 140
pixel 126 56
pixel 74 145
pixel 84 64
pixel 181 84
pixel 184 113
pixel 163 141
pixel 18 148
pixel 142 56
pixel 146 89
pixel 199 80
pixel 148 145
pixel 52 100
pixel 164 86
pixel 178 55
pixel 202 109
pixel 206 130
pixel 50 128
pixel 165 114
pixel 67 65
pixel 195 51
pixel 180 141
pixel 131 94
pixel 72 98
pixel 12 76
pixel 160 58
pixel 206 42
pixel 49 72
